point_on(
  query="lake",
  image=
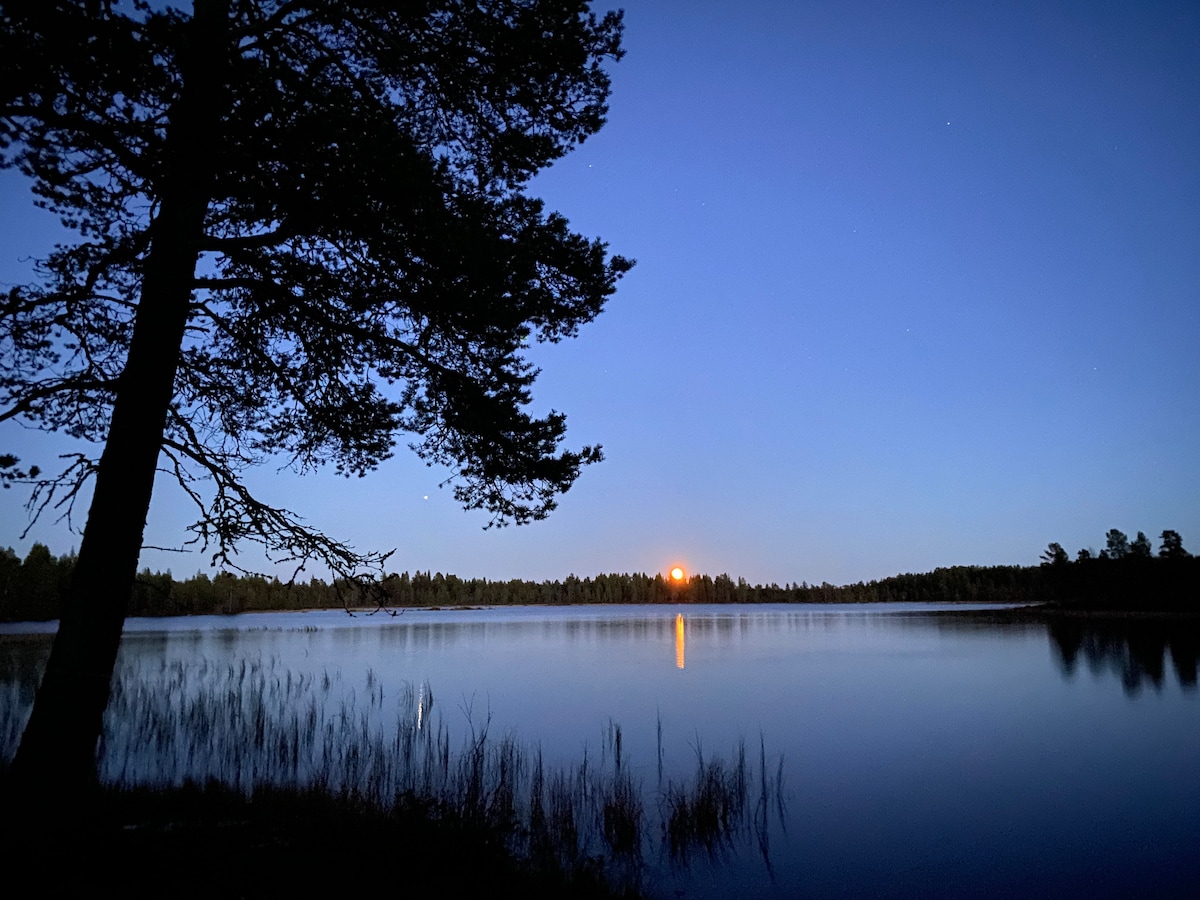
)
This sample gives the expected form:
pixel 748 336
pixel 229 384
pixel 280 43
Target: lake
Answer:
pixel 907 751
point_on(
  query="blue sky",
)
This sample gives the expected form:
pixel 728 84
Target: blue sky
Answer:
pixel 918 284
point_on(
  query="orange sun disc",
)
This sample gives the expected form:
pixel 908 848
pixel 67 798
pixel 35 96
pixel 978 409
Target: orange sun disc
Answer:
pixel 677 574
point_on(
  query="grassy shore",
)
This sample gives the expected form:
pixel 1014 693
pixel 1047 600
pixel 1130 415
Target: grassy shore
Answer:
pixel 250 780
pixel 215 841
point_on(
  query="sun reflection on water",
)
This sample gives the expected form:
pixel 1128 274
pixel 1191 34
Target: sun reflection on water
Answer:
pixel 679 640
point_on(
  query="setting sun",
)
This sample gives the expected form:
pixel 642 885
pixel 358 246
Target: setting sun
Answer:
pixel 677 574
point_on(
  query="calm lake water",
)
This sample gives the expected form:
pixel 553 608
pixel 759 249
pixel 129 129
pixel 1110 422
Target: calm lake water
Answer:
pixel 921 754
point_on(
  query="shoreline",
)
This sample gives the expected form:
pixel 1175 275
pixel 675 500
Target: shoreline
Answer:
pixel 1014 611
pixel 397 611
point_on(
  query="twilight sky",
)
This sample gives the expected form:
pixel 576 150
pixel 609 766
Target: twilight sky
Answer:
pixel 918 285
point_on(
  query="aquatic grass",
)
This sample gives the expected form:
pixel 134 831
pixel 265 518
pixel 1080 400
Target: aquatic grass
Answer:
pixel 259 728
pixel 15 706
pixel 762 809
pixel 711 810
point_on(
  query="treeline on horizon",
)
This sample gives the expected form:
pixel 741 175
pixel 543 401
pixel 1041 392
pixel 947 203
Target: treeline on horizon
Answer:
pixel 1123 576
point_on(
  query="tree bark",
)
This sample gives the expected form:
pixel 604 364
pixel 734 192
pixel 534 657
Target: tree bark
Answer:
pixel 55 765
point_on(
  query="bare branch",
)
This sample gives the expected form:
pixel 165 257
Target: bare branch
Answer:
pixel 232 515
pixel 66 487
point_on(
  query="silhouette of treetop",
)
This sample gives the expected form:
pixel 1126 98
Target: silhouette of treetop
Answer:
pixel 341 186
pixel 301 232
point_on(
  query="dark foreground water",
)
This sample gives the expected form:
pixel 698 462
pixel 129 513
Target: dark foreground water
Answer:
pixel 908 753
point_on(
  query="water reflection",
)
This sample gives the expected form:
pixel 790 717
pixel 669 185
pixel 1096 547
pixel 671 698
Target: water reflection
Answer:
pixel 679 641
pixel 943 745
pixel 22 659
pixel 1138 653
pixel 1135 650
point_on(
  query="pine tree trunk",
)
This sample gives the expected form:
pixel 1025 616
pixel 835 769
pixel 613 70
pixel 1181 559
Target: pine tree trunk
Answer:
pixel 55 765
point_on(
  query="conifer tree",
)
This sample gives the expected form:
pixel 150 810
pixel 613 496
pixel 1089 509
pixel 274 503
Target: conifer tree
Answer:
pixel 302 231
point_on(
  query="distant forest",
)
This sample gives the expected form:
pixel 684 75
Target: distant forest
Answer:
pixel 1125 575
